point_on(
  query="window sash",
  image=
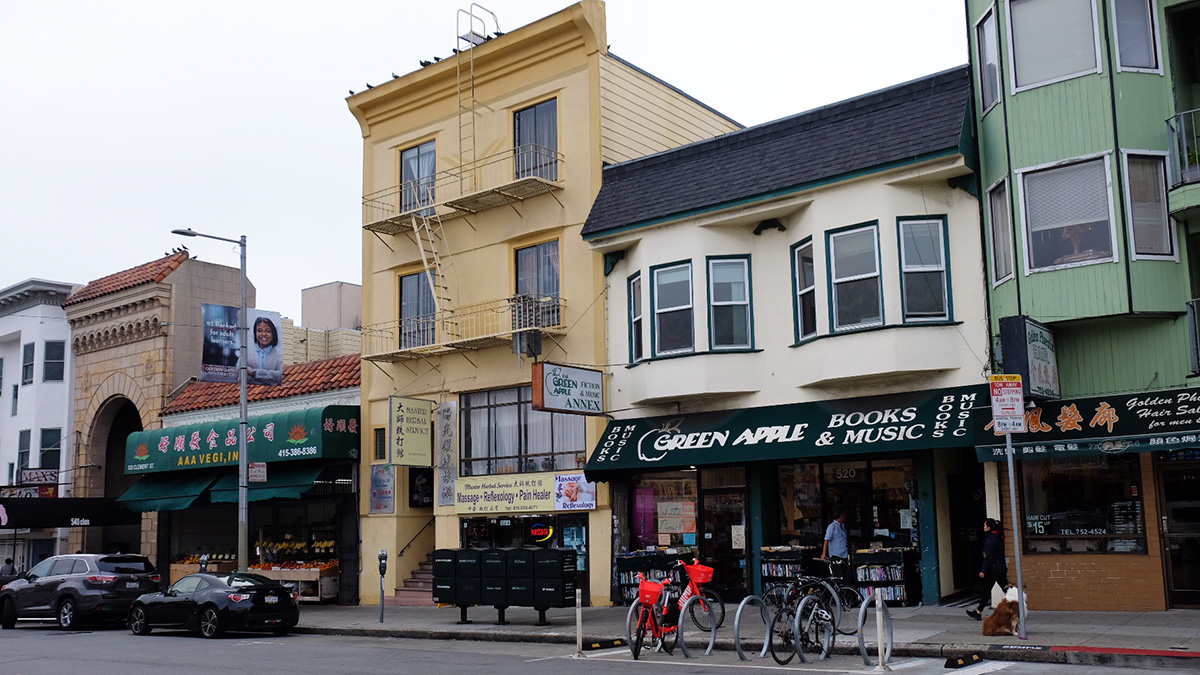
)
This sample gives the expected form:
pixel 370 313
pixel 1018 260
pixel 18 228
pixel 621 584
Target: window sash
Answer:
pixel 923 265
pixel 503 434
pixel 1052 40
pixel 857 299
pixel 1067 214
pixel 53 361
pixel 673 324
pixel 729 304
pixel 806 296
pixel 417 168
pixel 1148 218
pixel 1002 240
pixel 538 283
pixel 50 449
pixel 635 318
pixel 27 363
pixel 535 136
pixel 418 326
pixel 1136 40
pixel 23 439
pixel 986 43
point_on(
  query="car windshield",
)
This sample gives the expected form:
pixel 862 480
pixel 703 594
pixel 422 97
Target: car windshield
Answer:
pixel 241 580
pixel 125 564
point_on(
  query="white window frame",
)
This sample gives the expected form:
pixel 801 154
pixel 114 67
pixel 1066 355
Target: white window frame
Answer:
pixel 834 281
pixel 713 304
pixel 991 13
pixel 1133 254
pixel 1012 54
pixel 801 291
pixel 1112 221
pixel 1012 249
pixel 424 189
pixel 658 310
pixel 637 350
pixel 906 268
pixel 1155 34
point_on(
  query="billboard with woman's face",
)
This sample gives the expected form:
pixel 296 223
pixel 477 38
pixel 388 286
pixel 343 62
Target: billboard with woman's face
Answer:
pixel 264 350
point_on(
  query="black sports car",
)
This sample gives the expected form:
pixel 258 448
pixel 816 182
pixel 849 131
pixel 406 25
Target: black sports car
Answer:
pixel 214 603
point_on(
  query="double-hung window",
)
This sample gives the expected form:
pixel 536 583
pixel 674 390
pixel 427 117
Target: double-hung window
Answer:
pixel 537 301
pixel 671 298
pixel 27 363
pixel 854 269
pixel 729 303
pixel 23 438
pixel 50 449
pixel 535 140
pixel 54 361
pixel 1052 40
pixel 416 177
pixel 1002 241
pixel 923 269
pixel 988 59
pixel 806 296
pixel 418 320
pixel 16 389
pixel 1137 43
pixel 502 433
pixel 635 318
pixel 1147 190
pixel 1067 215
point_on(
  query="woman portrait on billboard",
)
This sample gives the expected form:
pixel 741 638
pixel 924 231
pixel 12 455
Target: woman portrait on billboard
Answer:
pixel 264 362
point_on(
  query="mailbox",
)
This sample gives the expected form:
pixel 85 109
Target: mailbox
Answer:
pixel 443 563
pixel 444 590
pixel 493 564
pixel 520 592
pixel 520 563
pixel 466 591
pixel 466 563
pixel 554 593
pixel 554 563
pixel 493 591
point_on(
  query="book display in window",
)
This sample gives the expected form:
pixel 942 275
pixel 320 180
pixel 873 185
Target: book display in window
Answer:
pixel 781 564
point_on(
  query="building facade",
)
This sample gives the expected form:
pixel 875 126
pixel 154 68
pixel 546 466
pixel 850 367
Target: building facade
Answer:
pixel 1085 115
pixel 796 324
pixel 479 170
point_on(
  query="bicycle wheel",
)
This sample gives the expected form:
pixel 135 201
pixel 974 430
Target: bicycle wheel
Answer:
pixel 774 597
pixel 644 622
pixel 815 633
pixel 828 596
pixel 783 640
pixel 631 619
pixel 711 613
pixel 667 641
pixel 850 597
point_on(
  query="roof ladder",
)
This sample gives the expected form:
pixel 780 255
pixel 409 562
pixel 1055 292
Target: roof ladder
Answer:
pixel 471 30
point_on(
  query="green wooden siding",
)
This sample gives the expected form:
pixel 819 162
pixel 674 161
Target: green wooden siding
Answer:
pixel 1122 354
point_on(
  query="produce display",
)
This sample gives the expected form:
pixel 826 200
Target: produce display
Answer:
pixel 297 565
pixel 293 547
pixel 194 559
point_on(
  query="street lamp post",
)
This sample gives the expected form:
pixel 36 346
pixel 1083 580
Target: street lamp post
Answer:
pixel 243 332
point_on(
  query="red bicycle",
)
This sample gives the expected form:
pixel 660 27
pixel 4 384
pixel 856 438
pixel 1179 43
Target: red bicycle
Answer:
pixel 709 610
pixel 653 617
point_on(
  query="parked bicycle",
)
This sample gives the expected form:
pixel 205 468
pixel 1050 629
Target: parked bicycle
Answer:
pixel 656 615
pixel 829 586
pixel 709 610
pixel 806 626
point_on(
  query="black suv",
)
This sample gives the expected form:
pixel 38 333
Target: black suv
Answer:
pixel 78 588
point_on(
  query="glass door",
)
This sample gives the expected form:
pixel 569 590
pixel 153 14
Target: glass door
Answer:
pixel 725 536
pixel 1180 515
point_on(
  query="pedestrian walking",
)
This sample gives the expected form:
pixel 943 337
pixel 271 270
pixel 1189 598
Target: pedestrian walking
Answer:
pixel 7 568
pixel 835 537
pixel 995 567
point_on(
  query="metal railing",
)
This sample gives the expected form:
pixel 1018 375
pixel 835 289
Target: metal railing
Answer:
pixel 475 326
pixel 498 179
pixel 1183 146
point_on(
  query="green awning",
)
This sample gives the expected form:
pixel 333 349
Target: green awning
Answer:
pixel 284 481
pixel 327 432
pixel 168 491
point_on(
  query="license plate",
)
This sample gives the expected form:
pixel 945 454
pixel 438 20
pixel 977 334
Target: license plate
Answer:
pixel 272 599
pixel 131 584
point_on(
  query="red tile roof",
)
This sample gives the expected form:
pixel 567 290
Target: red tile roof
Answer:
pixel 151 272
pixel 341 372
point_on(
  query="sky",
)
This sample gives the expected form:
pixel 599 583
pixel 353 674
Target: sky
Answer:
pixel 122 120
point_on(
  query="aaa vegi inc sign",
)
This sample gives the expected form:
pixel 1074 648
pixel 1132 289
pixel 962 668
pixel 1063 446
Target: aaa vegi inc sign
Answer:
pixel 893 422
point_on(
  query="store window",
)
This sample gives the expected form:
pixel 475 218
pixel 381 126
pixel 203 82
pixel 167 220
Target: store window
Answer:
pixel 879 497
pixel 502 434
pixel 1088 504
pixel 664 510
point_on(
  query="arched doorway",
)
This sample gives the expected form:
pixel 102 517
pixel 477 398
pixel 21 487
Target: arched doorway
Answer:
pixel 103 472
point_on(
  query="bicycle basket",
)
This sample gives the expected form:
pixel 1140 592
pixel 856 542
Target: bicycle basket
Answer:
pixel 701 574
pixel 649 591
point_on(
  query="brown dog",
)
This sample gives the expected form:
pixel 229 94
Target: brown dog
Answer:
pixel 1006 618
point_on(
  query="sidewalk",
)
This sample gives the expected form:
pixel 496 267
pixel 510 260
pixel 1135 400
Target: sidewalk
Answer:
pixel 1168 639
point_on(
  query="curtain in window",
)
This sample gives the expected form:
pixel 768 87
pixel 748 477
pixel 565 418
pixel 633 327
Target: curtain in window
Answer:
pixel 417 310
pixel 1135 34
pixel 1052 39
pixel 1069 195
pixel 538 282
pixel 1001 233
pixel 1147 197
pixel 536 131
pixel 569 441
pixel 989 69
pixel 506 431
pixel 426 161
pixel 416 175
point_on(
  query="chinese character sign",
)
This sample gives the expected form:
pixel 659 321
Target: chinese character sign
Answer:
pixel 410 431
pixel 447 452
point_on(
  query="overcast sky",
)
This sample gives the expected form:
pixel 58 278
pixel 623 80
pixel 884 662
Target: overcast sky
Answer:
pixel 122 120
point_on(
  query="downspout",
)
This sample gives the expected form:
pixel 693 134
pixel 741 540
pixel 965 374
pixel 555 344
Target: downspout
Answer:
pixel 1120 182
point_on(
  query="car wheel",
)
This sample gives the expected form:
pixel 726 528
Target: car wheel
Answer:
pixel 66 614
pixel 137 621
pixel 210 623
pixel 8 614
pixel 281 631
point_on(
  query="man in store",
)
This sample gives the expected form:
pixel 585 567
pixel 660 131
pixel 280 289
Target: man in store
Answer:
pixel 835 537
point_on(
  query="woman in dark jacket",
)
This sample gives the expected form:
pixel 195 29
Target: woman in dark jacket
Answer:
pixel 995 567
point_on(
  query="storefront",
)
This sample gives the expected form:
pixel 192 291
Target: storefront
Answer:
pixel 751 491
pixel 303 505
pixel 1107 497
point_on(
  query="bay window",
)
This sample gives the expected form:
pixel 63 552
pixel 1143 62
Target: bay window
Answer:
pixel 729 303
pixel 854 270
pixel 1052 40
pixel 923 270
pixel 671 298
pixel 1067 215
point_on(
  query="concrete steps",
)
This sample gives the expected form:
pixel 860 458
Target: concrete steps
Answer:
pixel 417 590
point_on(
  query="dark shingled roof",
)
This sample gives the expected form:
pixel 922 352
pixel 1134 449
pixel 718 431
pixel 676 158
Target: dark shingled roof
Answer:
pixel 916 119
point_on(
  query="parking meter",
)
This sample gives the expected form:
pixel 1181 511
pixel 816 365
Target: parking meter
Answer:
pixel 382 571
pixel 204 563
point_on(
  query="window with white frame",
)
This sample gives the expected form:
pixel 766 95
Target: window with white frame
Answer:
pixel 535 137
pixel 1002 242
pixel 417 166
pixel 537 301
pixel 1136 42
pixel 27 363
pixel 1052 40
pixel 418 320
pixel 54 360
pixel 988 60
pixel 672 302
pixel 1067 215
pixel 502 433
pixel 635 318
pixel 806 296
pixel 23 438
pixel 854 261
pixel 50 449
pixel 729 303
pixel 923 270
pixel 1148 206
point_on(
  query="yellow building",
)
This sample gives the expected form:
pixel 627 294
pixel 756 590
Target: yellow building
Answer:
pixel 478 173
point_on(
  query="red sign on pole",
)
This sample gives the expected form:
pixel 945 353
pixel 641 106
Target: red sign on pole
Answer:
pixel 1008 404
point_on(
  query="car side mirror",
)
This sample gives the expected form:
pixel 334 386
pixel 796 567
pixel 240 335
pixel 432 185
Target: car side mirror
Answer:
pixel 169 593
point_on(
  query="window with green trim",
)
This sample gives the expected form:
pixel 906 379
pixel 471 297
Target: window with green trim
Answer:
pixel 635 318
pixel 672 301
pixel 729 303
pixel 806 295
pixel 854 270
pixel 923 270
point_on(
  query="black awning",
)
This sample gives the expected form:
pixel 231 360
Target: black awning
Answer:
pixel 64 512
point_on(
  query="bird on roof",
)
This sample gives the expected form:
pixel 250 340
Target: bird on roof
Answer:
pixel 394 76
pixel 369 86
pixel 499 33
pixel 424 63
pixel 351 92
pixel 437 58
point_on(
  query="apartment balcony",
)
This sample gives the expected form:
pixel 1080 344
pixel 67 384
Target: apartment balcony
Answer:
pixel 467 327
pixel 504 178
pixel 1183 164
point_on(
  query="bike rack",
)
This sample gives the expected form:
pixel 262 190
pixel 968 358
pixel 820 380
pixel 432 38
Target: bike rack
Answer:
pixel 887 620
pixel 712 630
pixel 737 626
pixel 827 639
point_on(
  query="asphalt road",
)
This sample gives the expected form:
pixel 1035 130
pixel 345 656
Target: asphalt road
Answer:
pixel 38 649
